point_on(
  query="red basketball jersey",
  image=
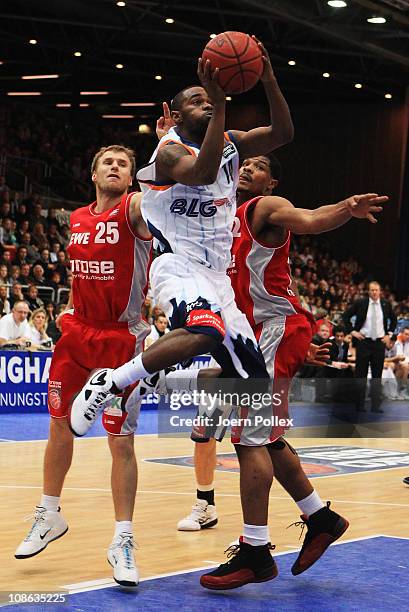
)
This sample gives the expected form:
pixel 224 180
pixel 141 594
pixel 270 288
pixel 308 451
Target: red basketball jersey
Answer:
pixel 260 274
pixel 109 264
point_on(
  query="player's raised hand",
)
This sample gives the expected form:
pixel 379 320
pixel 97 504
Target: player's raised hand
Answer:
pixel 209 80
pixel 318 355
pixel 164 123
pixel 268 72
pixel 364 206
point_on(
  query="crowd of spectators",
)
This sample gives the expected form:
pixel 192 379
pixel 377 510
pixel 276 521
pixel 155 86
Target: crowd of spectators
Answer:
pixel 67 147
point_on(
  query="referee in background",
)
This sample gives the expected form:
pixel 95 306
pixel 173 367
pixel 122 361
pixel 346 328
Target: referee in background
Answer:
pixel 374 319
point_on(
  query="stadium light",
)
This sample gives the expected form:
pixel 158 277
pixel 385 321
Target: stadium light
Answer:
pixel 24 93
pixel 376 19
pixel 388 96
pixel 138 104
pixel 358 85
pixel 94 93
pixel 292 63
pixel 32 41
pixel 337 3
pixel 30 77
pixel 326 75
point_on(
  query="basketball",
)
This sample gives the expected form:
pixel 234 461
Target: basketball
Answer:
pixel 238 58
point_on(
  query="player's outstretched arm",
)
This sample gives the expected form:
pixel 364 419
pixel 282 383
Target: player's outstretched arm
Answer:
pixel 176 163
pixel 281 130
pixel 135 216
pixel 279 211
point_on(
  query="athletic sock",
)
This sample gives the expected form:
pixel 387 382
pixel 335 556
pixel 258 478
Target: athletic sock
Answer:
pixel 206 492
pixel 256 535
pixel 181 380
pixel 123 527
pixel 129 372
pixel 310 504
pixel 50 503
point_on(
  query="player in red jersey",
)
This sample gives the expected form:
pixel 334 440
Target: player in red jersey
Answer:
pixel 110 251
pixel 260 275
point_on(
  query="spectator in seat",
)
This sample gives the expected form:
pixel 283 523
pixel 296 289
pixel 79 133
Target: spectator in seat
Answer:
pixel 22 215
pixel 32 298
pixel 14 328
pixel 16 294
pixel 158 329
pixel 5 307
pixel 14 274
pixel 4 275
pixel 62 266
pixel 38 332
pixel 25 277
pixel 38 275
pixel 53 234
pixel 401 350
pixel 65 235
pixel 38 237
pixel 32 251
pixel 6 238
pixel 55 248
pixel 52 219
pixel 21 256
pixel 37 216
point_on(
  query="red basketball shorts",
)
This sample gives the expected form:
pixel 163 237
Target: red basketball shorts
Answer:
pixel 284 342
pixel 83 348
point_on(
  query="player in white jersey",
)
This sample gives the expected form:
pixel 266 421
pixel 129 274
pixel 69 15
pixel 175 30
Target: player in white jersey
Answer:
pixel 189 206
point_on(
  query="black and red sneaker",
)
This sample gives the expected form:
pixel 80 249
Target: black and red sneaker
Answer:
pixel 323 528
pixel 246 564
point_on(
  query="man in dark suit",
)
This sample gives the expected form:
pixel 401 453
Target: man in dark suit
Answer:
pixel 374 318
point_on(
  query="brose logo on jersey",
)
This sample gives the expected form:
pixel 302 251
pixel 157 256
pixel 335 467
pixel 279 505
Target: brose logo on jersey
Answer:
pixel 92 267
pixel 193 208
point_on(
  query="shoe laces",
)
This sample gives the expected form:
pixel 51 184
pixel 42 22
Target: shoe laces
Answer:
pixel 126 545
pixel 233 550
pixel 302 524
pixel 197 512
pixel 39 520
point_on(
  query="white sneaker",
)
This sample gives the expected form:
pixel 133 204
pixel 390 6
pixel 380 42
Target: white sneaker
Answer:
pixel 91 400
pixel 47 527
pixel 121 557
pixel 203 516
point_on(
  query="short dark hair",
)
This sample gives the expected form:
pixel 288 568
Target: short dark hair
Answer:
pixel 338 329
pixel 275 166
pixel 177 101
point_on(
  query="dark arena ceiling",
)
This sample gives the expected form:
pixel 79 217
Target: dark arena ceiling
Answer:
pixel 125 45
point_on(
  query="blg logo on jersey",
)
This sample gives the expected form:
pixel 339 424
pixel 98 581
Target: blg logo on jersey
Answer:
pixel 194 207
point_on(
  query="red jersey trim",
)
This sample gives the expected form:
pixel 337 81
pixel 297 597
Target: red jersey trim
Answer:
pixel 260 242
pixel 95 214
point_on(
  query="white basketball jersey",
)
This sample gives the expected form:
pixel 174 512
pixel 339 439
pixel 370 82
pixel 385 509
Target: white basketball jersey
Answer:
pixel 193 221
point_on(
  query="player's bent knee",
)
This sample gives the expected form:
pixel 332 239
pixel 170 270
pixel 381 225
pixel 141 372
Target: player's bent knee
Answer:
pixel 122 447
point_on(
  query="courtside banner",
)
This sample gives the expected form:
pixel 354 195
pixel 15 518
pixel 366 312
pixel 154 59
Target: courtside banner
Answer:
pixel 24 381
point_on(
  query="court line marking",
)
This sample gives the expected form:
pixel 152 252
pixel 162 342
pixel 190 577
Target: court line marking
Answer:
pixel 94 585
pixel 189 493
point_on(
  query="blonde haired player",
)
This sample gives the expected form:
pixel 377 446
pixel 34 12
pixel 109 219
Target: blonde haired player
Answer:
pixel 110 251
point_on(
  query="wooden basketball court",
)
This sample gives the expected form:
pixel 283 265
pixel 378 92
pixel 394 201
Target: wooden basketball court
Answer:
pixel 375 502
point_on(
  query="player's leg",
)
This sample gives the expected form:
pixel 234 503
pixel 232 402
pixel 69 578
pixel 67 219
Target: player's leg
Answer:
pixel 203 514
pixel 190 303
pixel 285 344
pixel 363 356
pixel 124 478
pixel 323 525
pixel 120 419
pixel 377 361
pixel 65 376
pixel 250 560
